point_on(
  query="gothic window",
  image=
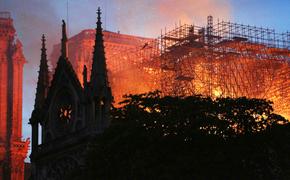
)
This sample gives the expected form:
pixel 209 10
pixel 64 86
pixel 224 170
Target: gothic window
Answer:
pixel 64 112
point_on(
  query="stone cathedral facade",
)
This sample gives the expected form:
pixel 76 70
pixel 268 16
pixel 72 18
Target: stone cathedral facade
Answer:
pixel 13 149
pixel 70 114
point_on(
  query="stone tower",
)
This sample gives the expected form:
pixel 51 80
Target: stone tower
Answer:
pixel 12 149
pixel 70 114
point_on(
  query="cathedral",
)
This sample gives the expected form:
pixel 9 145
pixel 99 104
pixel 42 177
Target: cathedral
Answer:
pixel 68 114
pixel 13 149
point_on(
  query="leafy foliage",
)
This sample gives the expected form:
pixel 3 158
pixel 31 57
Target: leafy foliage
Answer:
pixel 196 137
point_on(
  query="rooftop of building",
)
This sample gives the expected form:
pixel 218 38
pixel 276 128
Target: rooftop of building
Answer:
pixel 6 24
pixel 5 15
pixel 109 36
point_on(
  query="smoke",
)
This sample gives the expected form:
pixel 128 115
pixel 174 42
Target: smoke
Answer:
pixel 148 17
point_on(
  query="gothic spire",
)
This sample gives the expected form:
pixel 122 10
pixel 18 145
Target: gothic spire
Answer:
pixel 99 78
pixel 43 78
pixel 64 44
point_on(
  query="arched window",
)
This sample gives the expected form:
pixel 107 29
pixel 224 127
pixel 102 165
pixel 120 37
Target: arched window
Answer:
pixel 64 112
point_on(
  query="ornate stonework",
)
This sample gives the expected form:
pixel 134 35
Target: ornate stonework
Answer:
pixel 122 80
pixel 12 149
pixel 70 114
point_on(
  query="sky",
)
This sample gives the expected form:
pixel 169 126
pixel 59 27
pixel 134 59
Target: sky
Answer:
pixel 32 18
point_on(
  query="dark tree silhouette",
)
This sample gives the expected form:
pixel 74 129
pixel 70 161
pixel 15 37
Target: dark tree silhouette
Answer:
pixel 196 137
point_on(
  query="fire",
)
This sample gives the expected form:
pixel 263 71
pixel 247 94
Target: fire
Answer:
pixel 182 63
pixel 217 92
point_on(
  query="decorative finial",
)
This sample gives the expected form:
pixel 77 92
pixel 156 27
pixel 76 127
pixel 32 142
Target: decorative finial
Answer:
pixel 99 13
pixel 63 25
pixel 43 42
pixel 99 23
pixel 64 48
pixel 43 48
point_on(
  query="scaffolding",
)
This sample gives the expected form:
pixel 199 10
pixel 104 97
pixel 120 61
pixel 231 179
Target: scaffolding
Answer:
pixel 220 60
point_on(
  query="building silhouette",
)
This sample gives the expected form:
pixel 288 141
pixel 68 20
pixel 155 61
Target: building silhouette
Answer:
pixel 70 114
pixel 80 53
pixel 13 149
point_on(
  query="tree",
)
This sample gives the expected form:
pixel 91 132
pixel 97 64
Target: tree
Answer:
pixel 196 137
